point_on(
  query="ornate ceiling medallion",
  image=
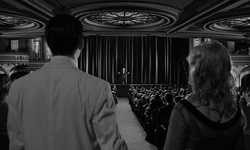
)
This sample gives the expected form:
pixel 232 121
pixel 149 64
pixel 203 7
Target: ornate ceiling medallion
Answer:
pixel 18 23
pixel 128 19
pixel 239 24
pixel 123 18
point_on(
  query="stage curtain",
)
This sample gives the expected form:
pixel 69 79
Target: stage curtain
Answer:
pixel 148 59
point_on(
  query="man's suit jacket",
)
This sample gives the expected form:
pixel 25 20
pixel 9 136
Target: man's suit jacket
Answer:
pixel 59 107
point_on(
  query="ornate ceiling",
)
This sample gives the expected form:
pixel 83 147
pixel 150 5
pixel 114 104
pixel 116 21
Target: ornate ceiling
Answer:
pixel 220 19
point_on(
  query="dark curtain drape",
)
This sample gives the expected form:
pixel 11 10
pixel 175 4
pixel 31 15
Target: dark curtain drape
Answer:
pixel 147 59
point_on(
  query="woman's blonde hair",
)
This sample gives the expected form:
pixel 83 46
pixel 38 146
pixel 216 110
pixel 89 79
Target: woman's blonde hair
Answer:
pixel 212 78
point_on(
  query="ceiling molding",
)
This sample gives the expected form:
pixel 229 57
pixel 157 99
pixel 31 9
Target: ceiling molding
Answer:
pixel 202 14
pixel 178 18
pixel 26 8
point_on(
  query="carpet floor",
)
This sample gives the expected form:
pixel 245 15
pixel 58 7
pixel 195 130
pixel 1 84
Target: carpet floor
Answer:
pixel 130 128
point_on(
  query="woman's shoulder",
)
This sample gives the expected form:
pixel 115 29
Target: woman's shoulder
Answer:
pixel 182 108
pixel 212 111
pixel 212 118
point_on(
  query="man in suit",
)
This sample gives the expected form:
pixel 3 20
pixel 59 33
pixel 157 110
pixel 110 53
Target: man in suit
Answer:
pixel 59 107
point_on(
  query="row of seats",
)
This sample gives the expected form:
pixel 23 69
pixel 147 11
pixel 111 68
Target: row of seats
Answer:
pixel 152 106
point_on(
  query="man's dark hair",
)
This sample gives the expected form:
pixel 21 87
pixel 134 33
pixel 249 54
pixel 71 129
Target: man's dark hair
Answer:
pixel 64 35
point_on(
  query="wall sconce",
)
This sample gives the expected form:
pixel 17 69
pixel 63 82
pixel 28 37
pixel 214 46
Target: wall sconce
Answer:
pixel 14 45
pixel 196 41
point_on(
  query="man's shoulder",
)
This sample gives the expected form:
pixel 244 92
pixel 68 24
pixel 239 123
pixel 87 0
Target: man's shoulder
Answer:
pixel 90 77
pixel 91 80
pixel 20 80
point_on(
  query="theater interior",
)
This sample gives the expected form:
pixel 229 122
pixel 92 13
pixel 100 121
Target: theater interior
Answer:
pixel 129 42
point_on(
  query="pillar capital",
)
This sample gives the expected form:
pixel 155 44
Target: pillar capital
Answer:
pixel 10 60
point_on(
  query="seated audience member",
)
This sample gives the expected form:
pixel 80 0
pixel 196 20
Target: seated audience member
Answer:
pixel 177 99
pixel 4 88
pixel 244 100
pixel 115 97
pixel 59 107
pixel 164 112
pixel 210 118
pixel 162 120
pixel 114 93
pixel 152 111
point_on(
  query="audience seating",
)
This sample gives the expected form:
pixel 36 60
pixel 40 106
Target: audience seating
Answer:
pixel 152 107
pixel 154 115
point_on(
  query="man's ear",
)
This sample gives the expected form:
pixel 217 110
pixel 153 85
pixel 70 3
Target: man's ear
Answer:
pixel 78 52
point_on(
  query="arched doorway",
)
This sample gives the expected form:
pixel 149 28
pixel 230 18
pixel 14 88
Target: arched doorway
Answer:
pixel 245 78
pixel 245 81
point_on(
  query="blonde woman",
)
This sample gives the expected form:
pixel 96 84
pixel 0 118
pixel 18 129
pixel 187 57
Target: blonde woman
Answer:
pixel 210 118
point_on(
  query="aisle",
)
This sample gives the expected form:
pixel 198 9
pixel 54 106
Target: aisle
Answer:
pixel 130 128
